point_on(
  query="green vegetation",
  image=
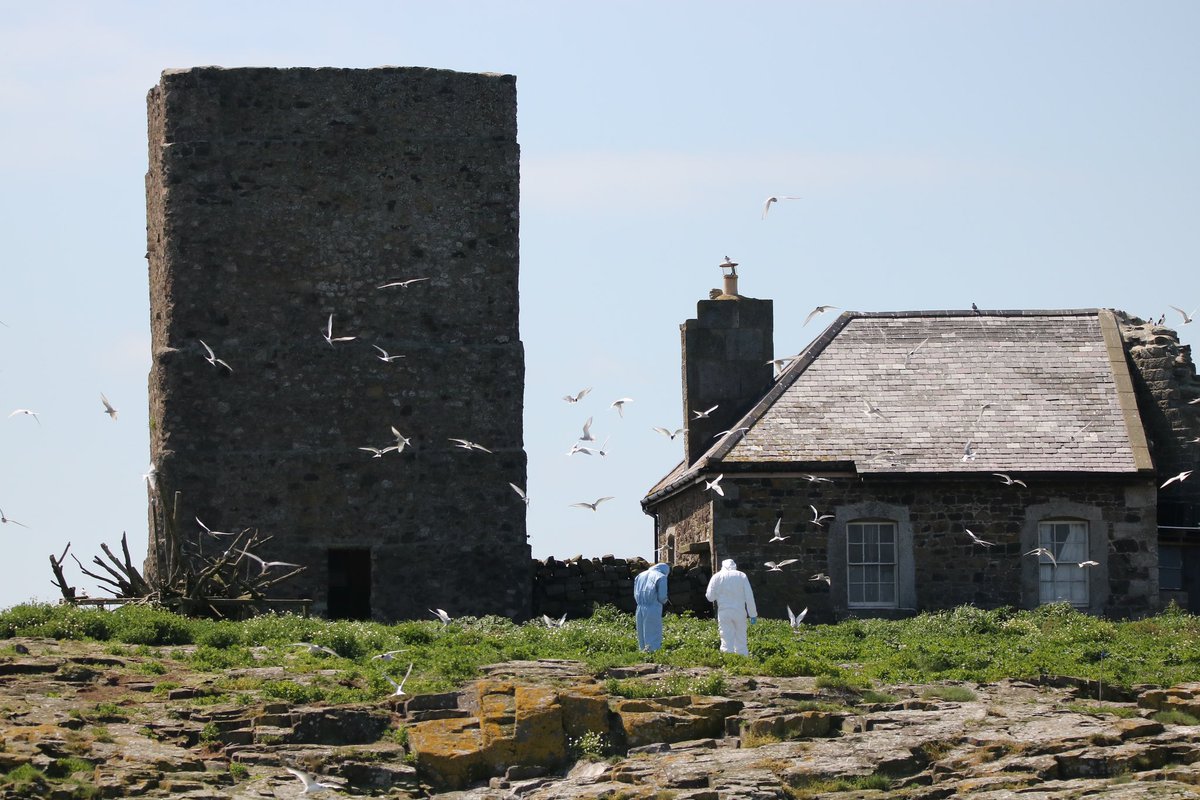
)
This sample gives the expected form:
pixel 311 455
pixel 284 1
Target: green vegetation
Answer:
pixel 966 644
pixel 1102 709
pixel 590 746
pixel 954 694
pixel 1175 717
pixel 821 787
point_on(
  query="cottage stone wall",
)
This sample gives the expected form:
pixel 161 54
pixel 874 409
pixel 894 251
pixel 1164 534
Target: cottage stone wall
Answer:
pixel 947 570
pixel 682 523
pixel 572 586
pixel 275 198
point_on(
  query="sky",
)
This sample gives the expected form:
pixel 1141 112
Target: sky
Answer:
pixel 1018 154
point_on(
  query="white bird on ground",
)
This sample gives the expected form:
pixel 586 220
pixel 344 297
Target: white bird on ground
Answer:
pixel 592 506
pixel 554 623
pixel 575 398
pixel 976 540
pixel 27 412
pixel 212 357
pixel 520 493
pixel 1041 551
pixel 775 199
pixel 266 565
pixel 1181 477
pixel 619 405
pixel 401 284
pixel 777 566
pixel 399 686
pixel 402 441
pixel 821 576
pixel 777 537
pixel 211 532
pixel 379 451
pixel 330 338
pixel 316 649
pixel 715 485
pixel 5 520
pixel 390 655
pixel 578 448
pixel 1009 481
pixel 587 432
pixel 815 312
pixel 441 614
pixel 1187 318
pixel 383 354
pixel 469 445
pixel 668 433
pixel 311 784
pixel 870 408
pixel 730 432
pixel 108 408
pixel 795 619
pixel 703 414
pixel 818 517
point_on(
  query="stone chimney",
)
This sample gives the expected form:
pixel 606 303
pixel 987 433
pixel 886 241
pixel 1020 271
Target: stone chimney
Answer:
pixel 726 351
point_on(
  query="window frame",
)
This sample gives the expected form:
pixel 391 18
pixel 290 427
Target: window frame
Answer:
pixel 1050 574
pixel 879 524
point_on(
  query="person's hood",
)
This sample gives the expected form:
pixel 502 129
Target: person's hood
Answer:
pixel 662 567
pixel 729 563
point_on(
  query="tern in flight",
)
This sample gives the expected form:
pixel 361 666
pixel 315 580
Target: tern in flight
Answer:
pixel 212 357
pixel 383 354
pixel 315 649
pixel 777 566
pixel 619 405
pixel 819 518
pixel 1009 481
pixel 592 506
pixel 27 412
pixel 795 619
pixel 401 284
pixel 399 686
pixel 466 444
pixel 441 614
pixel 704 414
pixel 108 408
pixel 266 565
pixel 1041 551
pixel 575 398
pixel 976 540
pixel 587 432
pixel 311 784
pixel 775 199
pixel 520 493
pixel 715 485
pixel 329 337
pixel 5 520
pixel 1187 318
pixel 777 537
pixel 669 434
pixel 815 312
pixel 1181 477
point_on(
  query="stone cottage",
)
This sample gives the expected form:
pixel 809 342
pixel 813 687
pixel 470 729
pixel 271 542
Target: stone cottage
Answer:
pixel 920 460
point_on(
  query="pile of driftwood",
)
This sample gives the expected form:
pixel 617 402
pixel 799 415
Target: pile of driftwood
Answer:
pixel 227 580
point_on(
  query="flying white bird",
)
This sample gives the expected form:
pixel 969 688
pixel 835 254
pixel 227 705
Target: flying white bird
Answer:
pixel 976 540
pixel 619 405
pixel 578 448
pixel 969 452
pixel 402 441
pixel 669 434
pixel 211 532
pixel 908 356
pixel 603 451
pixel 27 413
pixel 440 614
pixel 1041 551
pixel 775 199
pixel 329 337
pixel 378 451
pixel 390 655
pixel 1009 481
pixel 821 576
pixel 399 686
pixel 575 398
pixel 469 445
pixel 150 476
pixel 266 565
pixel 715 485
pixel 383 354
pixel 1181 477
pixel 815 479
pixel 592 506
pixel 870 408
pixel 1086 564
pixel 704 414
pixel 819 518
pixel 795 619
pixel 212 357
pixel 520 493
pixel 777 566
pixel 729 432
pixel 315 649
pixel 777 537
pixel 401 284
pixel 815 312
pixel 1193 402
pixel 554 623
pixel 1187 318
pixel 5 520
pixel 311 784
pixel 587 432
pixel 108 409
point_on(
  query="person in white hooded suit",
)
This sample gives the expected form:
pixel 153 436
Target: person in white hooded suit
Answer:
pixel 730 590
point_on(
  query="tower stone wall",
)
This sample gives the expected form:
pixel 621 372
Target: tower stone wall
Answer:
pixel 279 197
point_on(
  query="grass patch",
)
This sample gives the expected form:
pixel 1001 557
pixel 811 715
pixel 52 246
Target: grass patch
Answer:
pixel 819 787
pixel 709 685
pixel 1174 717
pixel 953 694
pixel 1101 709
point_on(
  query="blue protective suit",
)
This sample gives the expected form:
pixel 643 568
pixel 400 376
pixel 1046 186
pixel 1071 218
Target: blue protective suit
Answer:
pixel 650 592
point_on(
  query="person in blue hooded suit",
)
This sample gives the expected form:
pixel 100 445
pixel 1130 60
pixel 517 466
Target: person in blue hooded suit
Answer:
pixel 650 592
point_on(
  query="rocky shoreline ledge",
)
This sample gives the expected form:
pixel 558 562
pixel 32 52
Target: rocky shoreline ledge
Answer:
pixel 81 722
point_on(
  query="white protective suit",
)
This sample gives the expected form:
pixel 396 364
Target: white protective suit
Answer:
pixel 730 590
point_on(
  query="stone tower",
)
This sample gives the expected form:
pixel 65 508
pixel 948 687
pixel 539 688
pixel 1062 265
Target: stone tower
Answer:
pixel 275 199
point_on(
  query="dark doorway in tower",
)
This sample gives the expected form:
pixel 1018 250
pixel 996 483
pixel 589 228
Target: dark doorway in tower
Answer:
pixel 350 583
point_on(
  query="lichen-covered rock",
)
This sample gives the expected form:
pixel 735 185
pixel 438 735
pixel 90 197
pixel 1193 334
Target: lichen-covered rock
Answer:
pixel 672 719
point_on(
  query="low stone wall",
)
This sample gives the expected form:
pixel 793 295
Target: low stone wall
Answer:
pixel 571 587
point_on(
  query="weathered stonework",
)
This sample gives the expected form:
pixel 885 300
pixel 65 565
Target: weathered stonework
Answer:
pixel 275 198
pixel 574 586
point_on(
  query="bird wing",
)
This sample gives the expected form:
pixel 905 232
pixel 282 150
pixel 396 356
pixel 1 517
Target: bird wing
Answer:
pixel 787 561
pixel 211 354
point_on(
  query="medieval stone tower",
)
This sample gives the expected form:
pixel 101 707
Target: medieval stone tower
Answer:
pixel 277 198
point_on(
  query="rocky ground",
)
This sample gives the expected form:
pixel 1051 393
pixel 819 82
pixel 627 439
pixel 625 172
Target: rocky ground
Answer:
pixel 81 721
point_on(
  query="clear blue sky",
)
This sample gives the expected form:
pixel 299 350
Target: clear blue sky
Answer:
pixel 1014 154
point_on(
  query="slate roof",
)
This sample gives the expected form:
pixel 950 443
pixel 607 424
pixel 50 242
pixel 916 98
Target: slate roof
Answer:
pixel 1031 391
